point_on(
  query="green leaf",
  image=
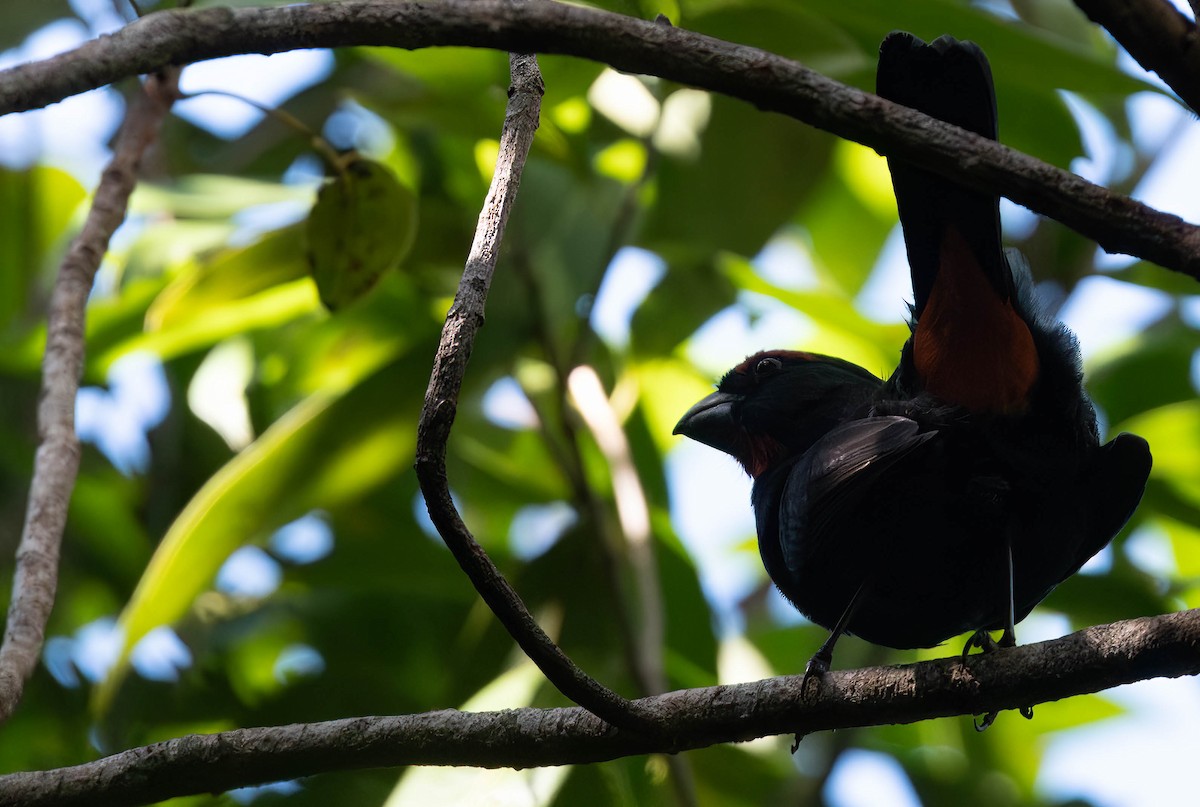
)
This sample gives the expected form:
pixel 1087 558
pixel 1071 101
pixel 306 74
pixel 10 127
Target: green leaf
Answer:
pixel 363 224
pixel 1173 432
pixel 330 448
pixel 855 198
pixel 1152 371
pixel 800 31
pixel 752 173
pixel 212 196
pixel 687 296
pixel 229 292
pixel 38 204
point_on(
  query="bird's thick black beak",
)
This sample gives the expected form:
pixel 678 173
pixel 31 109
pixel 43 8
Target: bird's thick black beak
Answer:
pixel 711 421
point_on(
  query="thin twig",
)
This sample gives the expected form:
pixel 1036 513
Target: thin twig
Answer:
pixel 328 153
pixel 1088 661
pixel 57 461
pixel 441 400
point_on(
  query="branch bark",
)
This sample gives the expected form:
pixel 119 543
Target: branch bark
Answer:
pixel 57 461
pixel 1087 661
pixel 1117 223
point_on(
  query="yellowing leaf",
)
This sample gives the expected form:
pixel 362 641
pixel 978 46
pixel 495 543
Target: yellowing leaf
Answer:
pixel 362 225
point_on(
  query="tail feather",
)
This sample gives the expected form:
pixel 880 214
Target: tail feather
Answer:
pixel 950 80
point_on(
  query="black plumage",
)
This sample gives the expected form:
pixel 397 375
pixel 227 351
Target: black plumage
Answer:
pixel 955 495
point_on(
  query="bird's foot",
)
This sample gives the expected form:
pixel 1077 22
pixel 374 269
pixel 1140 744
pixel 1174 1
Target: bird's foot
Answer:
pixel 987 720
pixel 990 718
pixel 818 665
pixel 984 641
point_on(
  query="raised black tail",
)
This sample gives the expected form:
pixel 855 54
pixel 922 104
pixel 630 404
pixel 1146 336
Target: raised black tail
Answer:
pixel 972 345
pixel 952 81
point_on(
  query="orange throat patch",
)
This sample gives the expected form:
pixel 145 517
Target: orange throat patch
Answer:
pixel 971 348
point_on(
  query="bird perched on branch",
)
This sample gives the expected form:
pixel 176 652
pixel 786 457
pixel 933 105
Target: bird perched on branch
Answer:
pixel 955 495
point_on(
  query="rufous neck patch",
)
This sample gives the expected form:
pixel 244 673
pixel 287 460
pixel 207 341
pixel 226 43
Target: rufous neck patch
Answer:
pixel 971 348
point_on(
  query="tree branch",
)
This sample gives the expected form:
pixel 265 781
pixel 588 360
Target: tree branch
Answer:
pixel 57 461
pixel 463 321
pixel 1117 223
pixel 1155 33
pixel 1087 661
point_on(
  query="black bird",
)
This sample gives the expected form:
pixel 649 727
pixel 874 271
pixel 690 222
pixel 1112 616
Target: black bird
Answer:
pixel 956 495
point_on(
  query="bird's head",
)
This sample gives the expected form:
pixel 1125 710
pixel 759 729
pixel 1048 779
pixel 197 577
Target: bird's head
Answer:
pixel 776 404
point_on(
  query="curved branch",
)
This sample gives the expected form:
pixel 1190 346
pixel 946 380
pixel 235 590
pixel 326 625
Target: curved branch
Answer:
pixel 1117 223
pixel 1087 661
pixel 463 321
pixel 57 461
pixel 1155 33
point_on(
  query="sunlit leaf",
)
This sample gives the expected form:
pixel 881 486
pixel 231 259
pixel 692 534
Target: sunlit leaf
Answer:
pixel 1154 370
pixel 1173 432
pixel 669 387
pixel 330 448
pixel 228 278
pixel 38 203
pixel 214 196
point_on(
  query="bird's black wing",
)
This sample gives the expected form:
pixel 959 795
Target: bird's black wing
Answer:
pixel 840 475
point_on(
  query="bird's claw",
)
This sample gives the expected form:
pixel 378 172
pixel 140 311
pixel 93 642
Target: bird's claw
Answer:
pixel 988 719
pixel 818 665
pixel 984 641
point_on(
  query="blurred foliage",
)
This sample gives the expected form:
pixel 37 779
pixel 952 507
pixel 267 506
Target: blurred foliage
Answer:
pixel 280 409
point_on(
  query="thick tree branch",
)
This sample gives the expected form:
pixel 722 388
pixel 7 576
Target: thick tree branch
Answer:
pixel 463 321
pixel 1088 661
pixel 1115 222
pixel 1155 33
pixel 57 461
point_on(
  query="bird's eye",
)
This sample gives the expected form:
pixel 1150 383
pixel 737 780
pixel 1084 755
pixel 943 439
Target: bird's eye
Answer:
pixel 767 366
